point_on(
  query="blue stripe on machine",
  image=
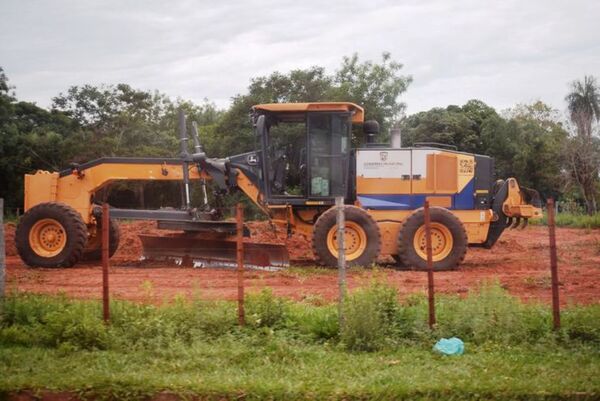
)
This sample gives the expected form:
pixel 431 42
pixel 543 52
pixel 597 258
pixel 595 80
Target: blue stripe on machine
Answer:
pixel 465 200
pixel 391 202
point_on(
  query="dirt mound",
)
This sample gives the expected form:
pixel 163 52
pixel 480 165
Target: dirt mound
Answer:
pixel 130 247
pixel 509 245
pixel 298 245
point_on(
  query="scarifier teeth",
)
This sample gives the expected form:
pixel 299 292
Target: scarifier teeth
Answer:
pixel 509 222
pixel 525 224
pixel 516 223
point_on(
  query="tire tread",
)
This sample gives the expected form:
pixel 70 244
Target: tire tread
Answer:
pixel 323 225
pixel 75 228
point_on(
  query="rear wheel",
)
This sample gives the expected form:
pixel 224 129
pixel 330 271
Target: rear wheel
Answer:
pixel 51 235
pixel 93 248
pixel 448 240
pixel 361 237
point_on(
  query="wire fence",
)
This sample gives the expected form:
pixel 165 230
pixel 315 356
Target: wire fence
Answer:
pixel 544 286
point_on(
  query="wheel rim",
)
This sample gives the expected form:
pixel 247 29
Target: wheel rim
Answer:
pixel 441 242
pixel 47 238
pixel 355 241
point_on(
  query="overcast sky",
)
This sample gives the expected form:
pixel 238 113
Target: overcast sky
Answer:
pixel 502 52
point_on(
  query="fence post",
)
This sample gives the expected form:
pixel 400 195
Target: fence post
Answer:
pixel 239 216
pixel 341 228
pixel 105 258
pixel 430 288
pixel 553 264
pixel 2 250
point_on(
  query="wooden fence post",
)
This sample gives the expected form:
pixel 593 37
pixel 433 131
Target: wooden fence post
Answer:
pixel 2 250
pixel 430 288
pixel 105 261
pixel 553 263
pixel 239 216
pixel 341 228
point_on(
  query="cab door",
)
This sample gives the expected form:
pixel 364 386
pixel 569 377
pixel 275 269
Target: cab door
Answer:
pixel 328 154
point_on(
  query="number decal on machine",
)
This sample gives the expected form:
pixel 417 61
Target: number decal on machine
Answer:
pixel 467 166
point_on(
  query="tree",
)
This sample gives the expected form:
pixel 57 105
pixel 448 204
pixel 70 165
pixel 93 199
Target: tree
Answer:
pixel 526 143
pixel 454 125
pixel 31 138
pixel 584 109
pixel 539 158
pixel 118 120
pixel 584 105
pixel 375 86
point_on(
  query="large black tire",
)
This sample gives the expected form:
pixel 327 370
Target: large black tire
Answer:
pixel 356 219
pixel 59 236
pixel 93 249
pixel 440 218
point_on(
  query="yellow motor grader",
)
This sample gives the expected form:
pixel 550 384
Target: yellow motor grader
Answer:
pixel 384 188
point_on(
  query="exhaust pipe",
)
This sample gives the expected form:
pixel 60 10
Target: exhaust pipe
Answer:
pixel 395 138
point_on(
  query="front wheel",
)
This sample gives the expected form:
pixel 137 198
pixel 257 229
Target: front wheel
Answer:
pixel 362 241
pixel 448 240
pixel 51 234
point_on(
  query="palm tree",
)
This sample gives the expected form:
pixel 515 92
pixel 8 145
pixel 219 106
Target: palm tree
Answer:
pixel 584 104
pixel 584 107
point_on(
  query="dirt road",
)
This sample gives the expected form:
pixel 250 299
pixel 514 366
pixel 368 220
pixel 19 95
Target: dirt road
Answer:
pixel 519 261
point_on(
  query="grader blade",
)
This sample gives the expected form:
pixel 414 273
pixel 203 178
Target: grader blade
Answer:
pixel 198 251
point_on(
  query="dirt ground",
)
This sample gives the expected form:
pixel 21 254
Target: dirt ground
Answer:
pixel 519 262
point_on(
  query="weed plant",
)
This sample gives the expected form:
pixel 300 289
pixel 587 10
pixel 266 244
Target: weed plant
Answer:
pixel 374 319
pixel 573 220
pixel 297 350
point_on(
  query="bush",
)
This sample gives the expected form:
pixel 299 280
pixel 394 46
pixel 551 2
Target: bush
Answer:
pixel 573 220
pixel 369 317
pixel 582 323
pixel 491 314
pixel 374 320
pixel 264 309
pixel 318 323
pixel 32 320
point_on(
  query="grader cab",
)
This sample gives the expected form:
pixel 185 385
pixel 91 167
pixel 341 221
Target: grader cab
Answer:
pixel 384 189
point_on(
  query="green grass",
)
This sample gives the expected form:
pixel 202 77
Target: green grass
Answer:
pixel 573 220
pixel 294 350
pixel 272 367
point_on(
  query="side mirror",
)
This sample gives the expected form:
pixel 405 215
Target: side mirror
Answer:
pixel 260 126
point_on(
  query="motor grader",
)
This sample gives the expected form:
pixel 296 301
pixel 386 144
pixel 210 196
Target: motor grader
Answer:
pixel 384 188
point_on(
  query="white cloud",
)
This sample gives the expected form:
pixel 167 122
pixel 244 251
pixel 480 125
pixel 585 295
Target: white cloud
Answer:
pixel 501 52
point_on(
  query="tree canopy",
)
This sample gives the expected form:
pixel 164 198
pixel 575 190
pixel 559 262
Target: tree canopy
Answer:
pixel 531 142
pixel 526 142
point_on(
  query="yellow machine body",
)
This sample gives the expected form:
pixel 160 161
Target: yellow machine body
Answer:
pixel 388 184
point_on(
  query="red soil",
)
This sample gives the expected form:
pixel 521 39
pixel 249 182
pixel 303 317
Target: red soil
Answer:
pixel 519 262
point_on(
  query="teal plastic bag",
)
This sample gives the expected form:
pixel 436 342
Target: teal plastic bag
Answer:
pixel 450 346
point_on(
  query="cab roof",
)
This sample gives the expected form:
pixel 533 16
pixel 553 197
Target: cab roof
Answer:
pixel 290 110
